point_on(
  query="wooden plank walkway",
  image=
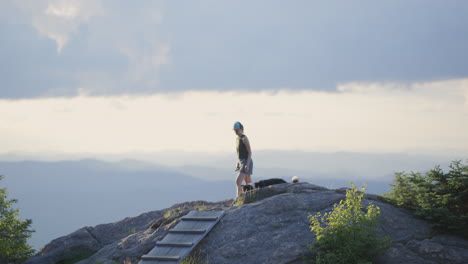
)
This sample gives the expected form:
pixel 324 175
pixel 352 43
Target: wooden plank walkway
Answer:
pixel 183 238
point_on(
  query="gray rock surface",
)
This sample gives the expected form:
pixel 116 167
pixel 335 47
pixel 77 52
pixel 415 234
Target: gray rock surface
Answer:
pixel 272 228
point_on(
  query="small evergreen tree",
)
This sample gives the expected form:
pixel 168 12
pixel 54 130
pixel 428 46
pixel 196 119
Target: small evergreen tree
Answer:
pixel 441 198
pixel 349 234
pixel 13 232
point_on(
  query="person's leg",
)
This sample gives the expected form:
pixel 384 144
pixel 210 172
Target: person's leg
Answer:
pixel 248 173
pixel 248 179
pixel 239 180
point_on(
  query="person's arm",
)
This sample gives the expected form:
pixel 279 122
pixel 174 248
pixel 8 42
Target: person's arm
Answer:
pixel 249 151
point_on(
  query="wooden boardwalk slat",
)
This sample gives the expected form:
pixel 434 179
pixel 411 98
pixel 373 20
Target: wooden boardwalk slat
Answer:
pixel 183 238
pixel 187 231
pixel 202 218
pixel 169 258
pixel 193 225
pixel 168 251
pixel 205 213
pixel 175 244
pixel 159 262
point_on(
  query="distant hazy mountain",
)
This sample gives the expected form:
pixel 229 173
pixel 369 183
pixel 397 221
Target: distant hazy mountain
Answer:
pixel 63 196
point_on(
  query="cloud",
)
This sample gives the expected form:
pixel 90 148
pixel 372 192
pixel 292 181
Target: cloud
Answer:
pixel 59 19
pixel 428 116
pixel 121 47
pixel 138 42
pixel 101 48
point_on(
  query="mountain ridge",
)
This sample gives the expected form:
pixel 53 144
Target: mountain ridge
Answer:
pixel 272 228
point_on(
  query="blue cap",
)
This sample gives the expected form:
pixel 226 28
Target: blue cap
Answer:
pixel 238 125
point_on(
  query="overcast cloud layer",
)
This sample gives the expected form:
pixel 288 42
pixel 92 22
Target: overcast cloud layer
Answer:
pixel 101 47
pixel 361 117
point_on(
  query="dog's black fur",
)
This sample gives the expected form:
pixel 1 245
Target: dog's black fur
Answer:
pixel 265 183
pixel 247 187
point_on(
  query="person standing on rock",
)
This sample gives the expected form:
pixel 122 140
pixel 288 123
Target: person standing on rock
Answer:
pixel 244 154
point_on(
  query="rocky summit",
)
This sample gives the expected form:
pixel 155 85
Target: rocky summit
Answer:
pixel 269 225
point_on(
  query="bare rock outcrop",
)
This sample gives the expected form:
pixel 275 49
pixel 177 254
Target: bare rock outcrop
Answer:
pixel 272 227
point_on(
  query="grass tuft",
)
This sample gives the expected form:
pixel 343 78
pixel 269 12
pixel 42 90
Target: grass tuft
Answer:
pixel 245 198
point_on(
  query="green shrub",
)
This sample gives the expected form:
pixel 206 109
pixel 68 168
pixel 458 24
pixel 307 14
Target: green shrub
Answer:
pixel 14 232
pixel 441 198
pixel 348 234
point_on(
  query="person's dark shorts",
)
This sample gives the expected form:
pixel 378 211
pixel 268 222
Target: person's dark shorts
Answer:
pixel 241 166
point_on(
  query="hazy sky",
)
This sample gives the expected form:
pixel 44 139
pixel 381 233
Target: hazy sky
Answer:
pixel 95 76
